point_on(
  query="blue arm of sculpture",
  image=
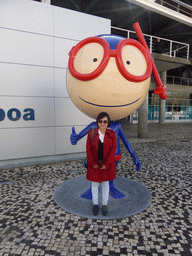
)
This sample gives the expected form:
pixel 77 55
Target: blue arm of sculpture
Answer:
pixel 128 147
pixel 75 137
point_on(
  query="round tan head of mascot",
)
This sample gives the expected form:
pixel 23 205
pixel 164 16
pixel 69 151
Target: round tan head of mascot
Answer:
pixel 108 74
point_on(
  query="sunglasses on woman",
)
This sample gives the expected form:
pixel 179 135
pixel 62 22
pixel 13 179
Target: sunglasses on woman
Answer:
pixel 105 122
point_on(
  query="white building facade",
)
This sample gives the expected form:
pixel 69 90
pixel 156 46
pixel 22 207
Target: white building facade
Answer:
pixel 36 113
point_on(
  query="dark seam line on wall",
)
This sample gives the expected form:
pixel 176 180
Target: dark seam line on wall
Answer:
pixel 31 65
pixel 70 125
pixel 46 97
pixel 26 127
pixel 40 127
pixel 23 31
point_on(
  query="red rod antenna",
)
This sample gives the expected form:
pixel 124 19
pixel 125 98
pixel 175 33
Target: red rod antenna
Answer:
pixel 161 89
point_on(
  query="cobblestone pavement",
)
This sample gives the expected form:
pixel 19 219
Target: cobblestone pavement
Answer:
pixel 31 223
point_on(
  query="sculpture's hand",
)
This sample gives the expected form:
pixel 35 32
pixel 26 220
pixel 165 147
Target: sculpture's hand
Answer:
pixel 136 161
pixel 74 137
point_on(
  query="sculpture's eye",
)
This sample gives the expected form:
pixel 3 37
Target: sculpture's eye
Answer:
pixel 88 58
pixel 134 60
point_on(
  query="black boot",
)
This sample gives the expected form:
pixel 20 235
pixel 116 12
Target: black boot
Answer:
pixel 95 209
pixel 104 210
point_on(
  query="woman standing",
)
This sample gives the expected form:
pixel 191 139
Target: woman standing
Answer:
pixel 101 147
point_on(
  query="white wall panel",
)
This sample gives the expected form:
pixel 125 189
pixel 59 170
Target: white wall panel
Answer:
pixel 62 49
pixel 35 41
pixel 26 48
pixel 66 113
pixel 63 144
pixel 25 80
pixel 32 17
pixel 60 83
pixel 21 143
pixel 77 25
pixel 43 107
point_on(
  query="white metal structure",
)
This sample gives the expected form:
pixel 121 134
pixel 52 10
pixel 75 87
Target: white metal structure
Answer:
pixel 165 11
pixel 177 6
pixel 170 47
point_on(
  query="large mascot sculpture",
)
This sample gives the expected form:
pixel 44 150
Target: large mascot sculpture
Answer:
pixel 111 74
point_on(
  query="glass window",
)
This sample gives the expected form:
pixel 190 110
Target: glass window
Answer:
pixel 177 80
pixel 182 113
pixel 169 80
pixel 135 115
pixel 187 103
pixel 168 112
pixel 183 102
pixel 168 101
pixel 169 94
pixel 189 113
pixel 185 81
pixel 178 105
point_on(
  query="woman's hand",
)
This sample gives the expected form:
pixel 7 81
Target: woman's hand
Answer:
pixel 103 167
pixel 95 166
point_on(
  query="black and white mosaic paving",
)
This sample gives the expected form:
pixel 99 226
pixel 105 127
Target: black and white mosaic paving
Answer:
pixel 31 223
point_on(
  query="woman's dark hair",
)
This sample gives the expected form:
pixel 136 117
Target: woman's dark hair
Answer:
pixel 101 115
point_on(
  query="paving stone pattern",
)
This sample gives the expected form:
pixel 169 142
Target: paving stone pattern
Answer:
pixel 31 223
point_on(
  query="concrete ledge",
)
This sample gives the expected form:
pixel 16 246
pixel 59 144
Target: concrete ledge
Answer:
pixel 13 163
pixel 164 62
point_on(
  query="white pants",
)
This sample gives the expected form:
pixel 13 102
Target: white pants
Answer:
pixel 105 192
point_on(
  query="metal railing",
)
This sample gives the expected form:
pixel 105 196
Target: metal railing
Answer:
pixel 158 44
pixel 179 80
pixel 177 6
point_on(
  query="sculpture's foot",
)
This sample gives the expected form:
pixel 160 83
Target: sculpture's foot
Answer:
pixel 114 192
pixel 87 194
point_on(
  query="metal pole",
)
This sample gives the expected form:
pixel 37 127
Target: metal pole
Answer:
pixel 170 48
pixel 151 44
pixel 143 119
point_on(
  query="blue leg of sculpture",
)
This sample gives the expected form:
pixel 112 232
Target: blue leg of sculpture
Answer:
pixel 87 194
pixel 114 192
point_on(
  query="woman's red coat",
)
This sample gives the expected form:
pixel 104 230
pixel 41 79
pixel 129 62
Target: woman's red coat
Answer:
pixel 109 148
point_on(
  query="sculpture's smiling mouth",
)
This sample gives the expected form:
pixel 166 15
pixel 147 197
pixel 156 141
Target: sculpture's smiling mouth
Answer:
pixel 105 106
